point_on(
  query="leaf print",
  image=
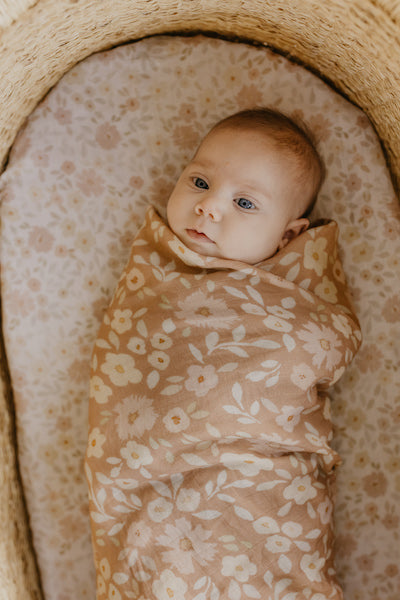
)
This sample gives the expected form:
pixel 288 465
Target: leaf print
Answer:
pixel 236 350
pixel 142 328
pixel 251 591
pixel 212 340
pixel 253 309
pixel 289 258
pixel 161 488
pixel 238 333
pixel 196 353
pixel 235 292
pixel 292 274
pixel 255 295
pixel 243 513
pixel 194 460
pixel 171 390
pixel 208 515
pixel 289 342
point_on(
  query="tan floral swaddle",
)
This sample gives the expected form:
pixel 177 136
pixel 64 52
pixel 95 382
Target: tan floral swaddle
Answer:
pixel 208 463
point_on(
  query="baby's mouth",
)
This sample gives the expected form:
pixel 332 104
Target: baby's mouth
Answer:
pixel 199 236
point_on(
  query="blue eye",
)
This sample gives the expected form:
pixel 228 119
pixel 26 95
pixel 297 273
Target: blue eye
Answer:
pixel 243 203
pixel 200 183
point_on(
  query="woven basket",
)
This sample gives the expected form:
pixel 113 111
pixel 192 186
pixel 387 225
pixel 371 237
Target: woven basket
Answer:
pixel 353 44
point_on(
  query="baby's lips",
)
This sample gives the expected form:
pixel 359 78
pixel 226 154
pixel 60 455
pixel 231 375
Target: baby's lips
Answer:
pixel 199 235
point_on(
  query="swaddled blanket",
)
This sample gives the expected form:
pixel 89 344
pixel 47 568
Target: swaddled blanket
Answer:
pixel 208 463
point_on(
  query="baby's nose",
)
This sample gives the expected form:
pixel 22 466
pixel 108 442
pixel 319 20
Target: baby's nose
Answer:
pixel 209 207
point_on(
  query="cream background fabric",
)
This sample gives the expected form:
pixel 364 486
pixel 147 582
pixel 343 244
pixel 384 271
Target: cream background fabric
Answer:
pixel 113 136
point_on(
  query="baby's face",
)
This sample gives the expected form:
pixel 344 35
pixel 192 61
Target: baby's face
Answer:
pixel 236 198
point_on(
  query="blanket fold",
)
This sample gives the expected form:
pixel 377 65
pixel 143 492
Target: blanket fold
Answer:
pixel 209 463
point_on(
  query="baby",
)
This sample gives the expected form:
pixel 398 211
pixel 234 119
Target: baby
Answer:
pixel 208 463
pixel 249 188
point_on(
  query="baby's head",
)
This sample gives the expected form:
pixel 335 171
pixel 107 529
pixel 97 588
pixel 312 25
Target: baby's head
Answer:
pixel 248 189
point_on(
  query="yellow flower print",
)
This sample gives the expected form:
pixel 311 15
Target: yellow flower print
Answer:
pixel 95 443
pixel 327 290
pixel 121 369
pixel 315 256
pixel 122 321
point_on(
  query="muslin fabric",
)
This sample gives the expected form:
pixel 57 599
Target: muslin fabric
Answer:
pixel 208 462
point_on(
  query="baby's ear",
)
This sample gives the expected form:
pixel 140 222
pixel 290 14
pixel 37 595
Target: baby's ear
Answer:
pixel 293 229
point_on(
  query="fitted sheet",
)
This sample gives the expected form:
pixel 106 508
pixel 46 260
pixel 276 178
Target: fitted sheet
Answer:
pixel 108 140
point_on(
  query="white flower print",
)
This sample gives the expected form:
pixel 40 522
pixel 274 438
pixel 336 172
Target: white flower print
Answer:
pixel 176 420
pixel 311 565
pixel 169 587
pixel 99 390
pixel 101 585
pixel 277 324
pixel 300 490
pixel 137 345
pixel 139 535
pixel 188 499
pixel 266 525
pixel 134 279
pixel 278 311
pixel 277 544
pixel 187 544
pixel 322 342
pixel 325 510
pixel 104 568
pixel 302 376
pixel 247 464
pixel 95 443
pixel 326 290
pixel 191 258
pixel 238 567
pixel 315 256
pixel 289 417
pixel 113 593
pixel 136 455
pixel 160 341
pixel 121 321
pixel 121 369
pixel 135 415
pixel 292 529
pixel 202 310
pixel 159 509
pixel 158 359
pixel 201 379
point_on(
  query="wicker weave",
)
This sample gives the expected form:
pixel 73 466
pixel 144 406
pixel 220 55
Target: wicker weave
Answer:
pixel 354 44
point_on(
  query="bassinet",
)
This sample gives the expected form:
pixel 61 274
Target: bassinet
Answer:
pixel 354 45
